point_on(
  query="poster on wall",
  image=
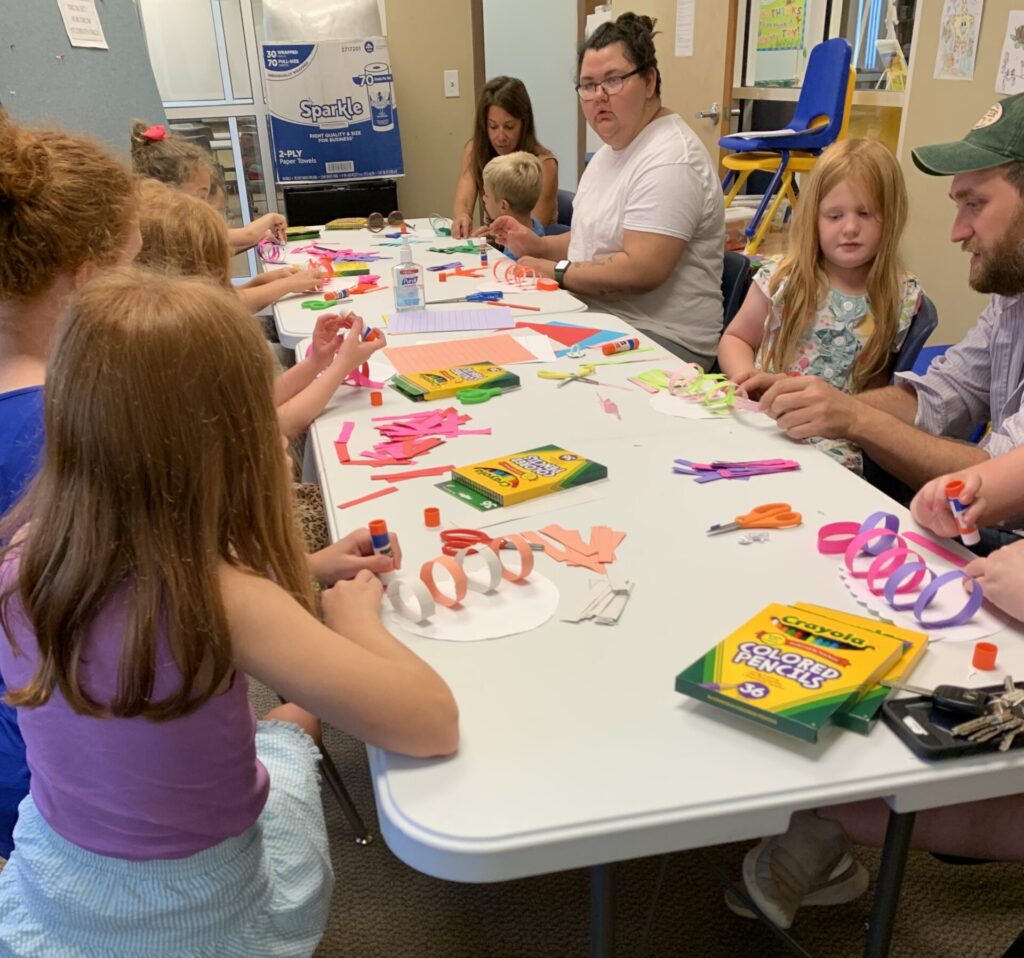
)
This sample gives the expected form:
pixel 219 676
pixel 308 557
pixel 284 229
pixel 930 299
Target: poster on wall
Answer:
pixel 958 39
pixel 332 110
pixel 1010 76
pixel 780 25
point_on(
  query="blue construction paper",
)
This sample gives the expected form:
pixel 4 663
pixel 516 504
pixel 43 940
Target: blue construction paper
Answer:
pixel 605 336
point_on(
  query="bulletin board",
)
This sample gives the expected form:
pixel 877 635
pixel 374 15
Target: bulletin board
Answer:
pixel 45 79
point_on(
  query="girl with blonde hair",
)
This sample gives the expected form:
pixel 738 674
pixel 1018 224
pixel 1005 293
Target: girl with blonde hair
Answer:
pixel 153 566
pixel 160 155
pixel 183 235
pixel 839 303
pixel 67 208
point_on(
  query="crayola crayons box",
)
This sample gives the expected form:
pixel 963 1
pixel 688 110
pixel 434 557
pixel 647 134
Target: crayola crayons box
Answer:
pixel 790 669
pixel 861 715
pixel 528 474
pixel 444 383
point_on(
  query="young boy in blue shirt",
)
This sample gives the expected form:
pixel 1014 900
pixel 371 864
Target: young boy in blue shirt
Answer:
pixel 512 185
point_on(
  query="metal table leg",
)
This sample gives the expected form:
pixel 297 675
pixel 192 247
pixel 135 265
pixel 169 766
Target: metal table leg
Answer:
pixel 602 911
pixel 890 878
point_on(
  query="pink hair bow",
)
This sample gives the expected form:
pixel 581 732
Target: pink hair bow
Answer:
pixel 156 132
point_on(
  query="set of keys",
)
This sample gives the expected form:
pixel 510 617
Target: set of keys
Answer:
pixel 993 714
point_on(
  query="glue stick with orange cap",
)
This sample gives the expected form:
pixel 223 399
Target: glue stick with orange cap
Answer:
pixel 969 536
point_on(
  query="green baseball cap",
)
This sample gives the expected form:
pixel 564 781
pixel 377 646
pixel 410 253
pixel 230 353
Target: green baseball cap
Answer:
pixel 997 138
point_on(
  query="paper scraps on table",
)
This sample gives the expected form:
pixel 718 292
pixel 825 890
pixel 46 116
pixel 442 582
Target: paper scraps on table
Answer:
pixel 594 339
pixel 743 469
pixel 408 436
pixel 564 335
pixel 372 495
pixel 449 320
pixel 609 406
pixel 605 602
pixel 576 551
pixel 653 381
pixel 501 350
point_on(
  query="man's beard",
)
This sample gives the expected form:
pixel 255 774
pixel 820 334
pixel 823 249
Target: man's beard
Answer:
pixel 1001 269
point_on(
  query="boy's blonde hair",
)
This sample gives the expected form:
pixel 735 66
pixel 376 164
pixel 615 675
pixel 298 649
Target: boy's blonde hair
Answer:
pixel 516 178
pixel 163 463
pixel 170 159
pixel 182 234
pixel 64 202
pixel 872 168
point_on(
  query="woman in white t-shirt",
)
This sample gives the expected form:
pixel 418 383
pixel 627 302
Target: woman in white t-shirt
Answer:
pixel 648 226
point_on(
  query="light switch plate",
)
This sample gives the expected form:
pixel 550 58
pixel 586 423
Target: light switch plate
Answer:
pixel 451 82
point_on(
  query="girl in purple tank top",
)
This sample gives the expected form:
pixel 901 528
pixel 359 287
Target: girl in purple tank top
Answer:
pixel 150 568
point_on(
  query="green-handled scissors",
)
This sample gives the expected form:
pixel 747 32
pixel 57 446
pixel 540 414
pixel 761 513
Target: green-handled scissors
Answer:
pixel 473 395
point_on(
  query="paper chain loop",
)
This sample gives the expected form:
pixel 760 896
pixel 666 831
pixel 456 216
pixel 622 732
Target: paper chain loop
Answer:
pixel 900 569
pixel 427 592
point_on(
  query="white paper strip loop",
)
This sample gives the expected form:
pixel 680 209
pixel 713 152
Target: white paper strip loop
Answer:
pixel 486 577
pixel 413 589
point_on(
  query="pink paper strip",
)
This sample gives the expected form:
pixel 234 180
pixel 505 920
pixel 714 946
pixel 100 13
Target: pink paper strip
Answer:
pixel 925 543
pixel 415 474
pixel 372 495
pixel 346 431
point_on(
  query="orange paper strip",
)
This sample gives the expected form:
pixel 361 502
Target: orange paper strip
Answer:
pixel 372 495
pixel 569 538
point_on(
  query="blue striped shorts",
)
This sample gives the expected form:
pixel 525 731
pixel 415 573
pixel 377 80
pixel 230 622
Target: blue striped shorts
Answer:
pixel 265 892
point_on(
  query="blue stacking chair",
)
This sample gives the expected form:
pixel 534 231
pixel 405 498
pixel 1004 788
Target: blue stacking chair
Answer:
pixel 822 117
pixel 563 222
pixel 736 279
pixel 921 327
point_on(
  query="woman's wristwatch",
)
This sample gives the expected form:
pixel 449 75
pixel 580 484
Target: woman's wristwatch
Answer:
pixel 560 267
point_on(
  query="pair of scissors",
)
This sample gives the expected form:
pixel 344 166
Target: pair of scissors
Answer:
pixel 582 376
pixel 771 515
pixel 455 540
pixel 484 297
pixel 474 395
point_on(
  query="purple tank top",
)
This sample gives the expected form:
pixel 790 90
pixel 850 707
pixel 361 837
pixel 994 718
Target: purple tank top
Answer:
pixel 132 788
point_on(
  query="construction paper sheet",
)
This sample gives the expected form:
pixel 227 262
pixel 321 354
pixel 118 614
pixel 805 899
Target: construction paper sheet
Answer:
pixel 541 347
pixel 565 335
pixel 985 623
pixel 513 608
pixel 601 336
pixel 449 320
pixel 502 350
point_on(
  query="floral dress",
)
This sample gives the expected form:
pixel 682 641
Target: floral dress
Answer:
pixel 842 325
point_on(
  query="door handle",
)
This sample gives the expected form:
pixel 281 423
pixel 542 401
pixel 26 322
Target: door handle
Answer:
pixel 714 114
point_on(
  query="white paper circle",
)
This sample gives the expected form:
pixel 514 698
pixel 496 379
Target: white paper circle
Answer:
pixel 512 608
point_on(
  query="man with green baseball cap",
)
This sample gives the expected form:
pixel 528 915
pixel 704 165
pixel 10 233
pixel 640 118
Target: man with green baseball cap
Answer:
pixel 915 428
pixel 911 429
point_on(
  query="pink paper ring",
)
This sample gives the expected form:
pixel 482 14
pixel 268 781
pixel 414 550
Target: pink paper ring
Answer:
pixel 889 522
pixel 685 375
pixel 834 537
pixel 858 545
pixel 966 612
pixel 894 581
pixel 887 563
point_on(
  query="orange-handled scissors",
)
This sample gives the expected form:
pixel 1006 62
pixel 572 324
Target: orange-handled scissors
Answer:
pixel 771 515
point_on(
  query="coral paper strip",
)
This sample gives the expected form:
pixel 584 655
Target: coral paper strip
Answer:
pixel 415 474
pixel 372 495
pixel 341 450
pixel 569 538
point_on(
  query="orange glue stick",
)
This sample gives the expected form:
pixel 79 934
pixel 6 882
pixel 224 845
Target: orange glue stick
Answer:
pixel 620 346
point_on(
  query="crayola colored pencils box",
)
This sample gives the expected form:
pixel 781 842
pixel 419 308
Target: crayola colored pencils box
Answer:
pixel 528 474
pixel 790 669
pixel 861 715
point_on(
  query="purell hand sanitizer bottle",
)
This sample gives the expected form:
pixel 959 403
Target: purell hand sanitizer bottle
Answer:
pixel 407 281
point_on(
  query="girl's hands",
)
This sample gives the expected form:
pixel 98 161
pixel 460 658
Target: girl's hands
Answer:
pixel 931 509
pixel 754 383
pixel 1001 576
pixel 353 606
pixel 354 349
pixel 325 339
pixel 347 557
pixel 307 280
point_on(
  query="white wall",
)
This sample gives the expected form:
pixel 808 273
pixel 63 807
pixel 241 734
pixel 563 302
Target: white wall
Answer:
pixel 544 59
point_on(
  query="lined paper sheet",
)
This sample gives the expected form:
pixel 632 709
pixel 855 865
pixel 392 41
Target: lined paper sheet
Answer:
pixel 450 320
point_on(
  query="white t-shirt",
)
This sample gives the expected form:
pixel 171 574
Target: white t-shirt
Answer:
pixel 663 182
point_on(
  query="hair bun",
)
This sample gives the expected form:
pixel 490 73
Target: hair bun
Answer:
pixel 24 167
pixel 640 20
